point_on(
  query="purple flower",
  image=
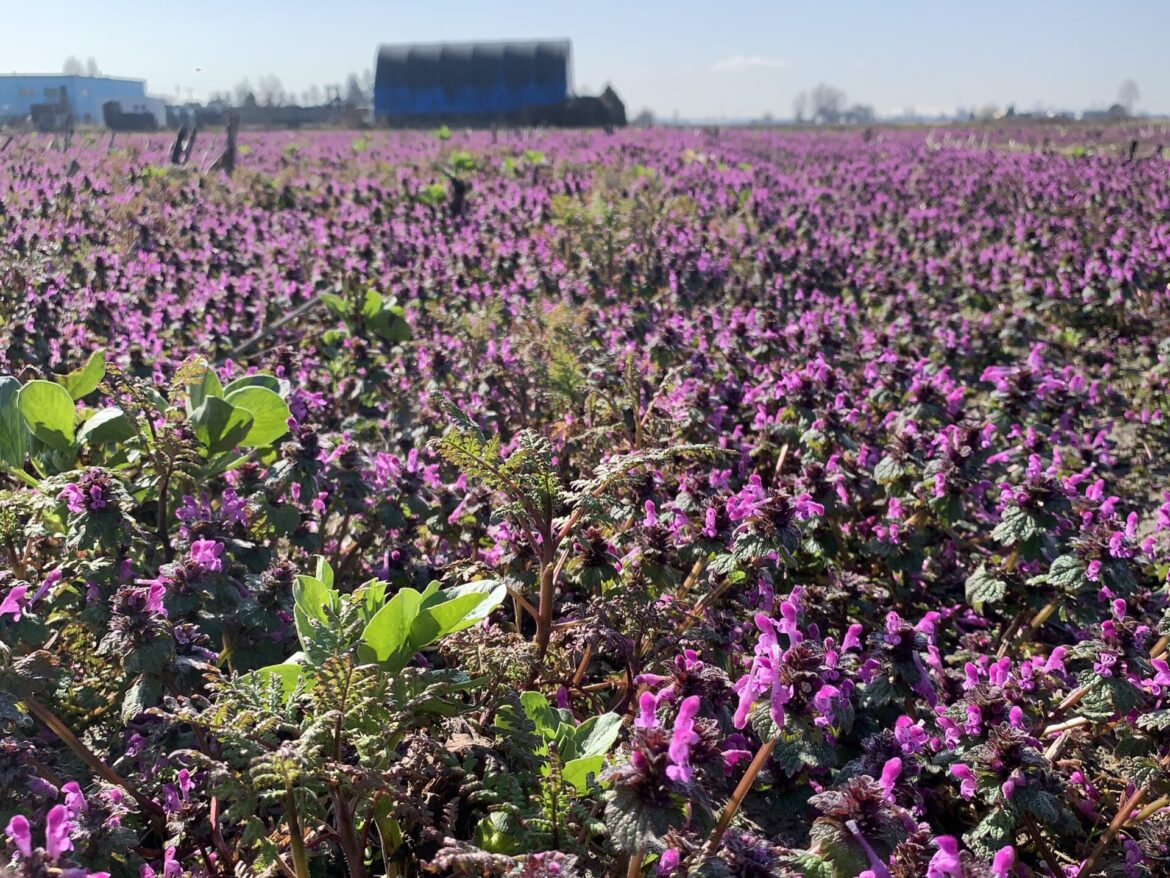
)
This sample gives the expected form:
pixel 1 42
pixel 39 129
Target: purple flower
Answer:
pixel 668 862
pixel 682 739
pixel 207 554
pixel 945 863
pixel 1004 862
pixel 15 603
pixel 57 828
pixel 967 782
pixel 20 833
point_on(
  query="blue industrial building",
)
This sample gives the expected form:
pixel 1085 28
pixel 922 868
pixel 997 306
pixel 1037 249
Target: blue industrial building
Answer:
pixel 85 95
pixel 454 81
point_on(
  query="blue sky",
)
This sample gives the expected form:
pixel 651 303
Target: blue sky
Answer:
pixel 702 59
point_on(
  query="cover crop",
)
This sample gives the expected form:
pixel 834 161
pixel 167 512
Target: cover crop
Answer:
pixel 649 504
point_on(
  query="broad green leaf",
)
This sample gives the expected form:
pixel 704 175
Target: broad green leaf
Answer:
pixel 13 432
pixel 597 735
pixel 48 410
pixel 387 634
pixel 84 381
pixel 372 304
pixel 494 593
pixel 266 381
pixel 537 709
pixel 106 426
pixel 335 303
pixel 373 594
pixel 576 771
pixel 443 618
pixel 313 596
pixel 220 426
pixel 269 413
pixel 209 386
pixel 324 571
pixel 289 675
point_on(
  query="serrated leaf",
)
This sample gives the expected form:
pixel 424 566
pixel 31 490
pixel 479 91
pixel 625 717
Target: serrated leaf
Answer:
pixel 888 471
pixel 984 588
pixel 1068 574
pixel 143 694
pixel 1016 526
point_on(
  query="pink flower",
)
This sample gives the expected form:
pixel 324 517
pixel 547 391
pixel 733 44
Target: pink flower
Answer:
pixel 15 602
pixel 1004 862
pixel 945 863
pixel 891 771
pixel 682 739
pixel 57 827
pixel 668 862
pixel 18 830
pixel 207 554
pixel 647 705
pixel 966 776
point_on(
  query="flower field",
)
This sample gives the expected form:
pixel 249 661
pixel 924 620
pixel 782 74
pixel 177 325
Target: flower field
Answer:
pixel 730 504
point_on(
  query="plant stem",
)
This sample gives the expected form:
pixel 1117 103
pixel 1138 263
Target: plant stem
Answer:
pixel 296 837
pixel 635 867
pixel 19 474
pixel 1127 807
pixel 741 790
pixel 57 726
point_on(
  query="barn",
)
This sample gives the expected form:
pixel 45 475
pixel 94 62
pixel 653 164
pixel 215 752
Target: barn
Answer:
pixel 453 82
pixel 81 97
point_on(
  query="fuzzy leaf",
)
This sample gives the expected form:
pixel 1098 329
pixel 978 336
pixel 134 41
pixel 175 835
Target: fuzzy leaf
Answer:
pixel 984 588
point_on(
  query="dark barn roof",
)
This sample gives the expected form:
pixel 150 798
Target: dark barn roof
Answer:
pixel 458 80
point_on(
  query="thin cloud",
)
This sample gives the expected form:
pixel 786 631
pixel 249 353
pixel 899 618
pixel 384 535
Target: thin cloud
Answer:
pixel 737 63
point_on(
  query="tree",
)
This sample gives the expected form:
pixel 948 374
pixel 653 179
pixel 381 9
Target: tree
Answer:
pixel 644 119
pixel 355 95
pixel 1128 95
pixel 828 103
pixel 270 91
pixel 72 66
pixel 91 67
pixel 800 106
pixel 243 91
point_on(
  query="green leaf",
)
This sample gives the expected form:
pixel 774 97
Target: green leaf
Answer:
pixel 210 386
pixel 13 432
pixel 84 381
pixel 576 771
pixel 442 619
pixel 266 381
pixel 220 426
pixel 143 694
pixel 289 675
pixel 597 735
pixel 312 595
pixel 1015 526
pixel 388 633
pixel 49 412
pixel 324 571
pixel 335 303
pixel 105 427
pixel 537 709
pixel 983 588
pixel 1068 574
pixel 269 413
pixel 888 471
